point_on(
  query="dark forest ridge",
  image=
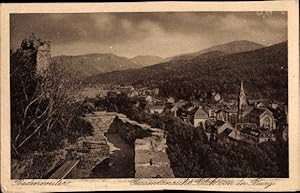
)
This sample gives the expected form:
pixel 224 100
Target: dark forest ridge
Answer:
pixel 227 48
pixel 264 68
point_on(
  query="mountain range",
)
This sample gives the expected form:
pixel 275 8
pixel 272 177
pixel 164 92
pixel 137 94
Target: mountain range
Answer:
pixel 147 60
pixel 92 64
pixel 227 48
pixel 264 71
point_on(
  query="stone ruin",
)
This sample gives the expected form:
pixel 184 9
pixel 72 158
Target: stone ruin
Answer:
pixel 43 57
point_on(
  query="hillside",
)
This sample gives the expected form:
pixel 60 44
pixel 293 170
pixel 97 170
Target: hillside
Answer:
pixel 146 60
pixel 227 48
pixel 91 64
pixel 264 72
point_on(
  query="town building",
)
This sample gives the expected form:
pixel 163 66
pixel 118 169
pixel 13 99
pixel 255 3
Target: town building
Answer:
pixel 171 100
pixel 222 115
pixel 263 118
pixel 253 135
pixel 133 93
pixel 155 91
pixel 216 97
pixel 221 126
pixel 156 109
pixel 148 99
pixel 200 117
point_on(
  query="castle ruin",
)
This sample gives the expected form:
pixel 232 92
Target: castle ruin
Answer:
pixel 43 57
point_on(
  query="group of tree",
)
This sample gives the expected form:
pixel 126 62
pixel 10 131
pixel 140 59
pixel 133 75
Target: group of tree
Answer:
pixel 43 110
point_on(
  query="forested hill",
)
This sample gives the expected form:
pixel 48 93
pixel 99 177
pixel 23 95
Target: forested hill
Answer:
pixel 227 48
pixel 264 72
pixel 91 64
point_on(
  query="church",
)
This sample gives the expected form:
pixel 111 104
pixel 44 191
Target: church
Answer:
pixel 262 117
pixel 254 124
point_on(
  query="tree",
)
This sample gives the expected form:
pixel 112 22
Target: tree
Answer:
pixel 42 105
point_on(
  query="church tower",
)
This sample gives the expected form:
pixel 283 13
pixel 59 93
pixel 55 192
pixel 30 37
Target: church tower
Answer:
pixel 242 98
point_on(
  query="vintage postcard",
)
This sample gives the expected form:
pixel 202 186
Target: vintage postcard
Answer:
pixel 150 96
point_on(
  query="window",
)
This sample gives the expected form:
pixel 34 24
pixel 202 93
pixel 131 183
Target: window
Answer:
pixel 266 122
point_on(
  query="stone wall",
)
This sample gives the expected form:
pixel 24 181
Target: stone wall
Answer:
pixel 149 144
pixel 128 130
pixel 151 159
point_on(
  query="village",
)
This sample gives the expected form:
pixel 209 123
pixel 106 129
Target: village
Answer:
pixel 251 121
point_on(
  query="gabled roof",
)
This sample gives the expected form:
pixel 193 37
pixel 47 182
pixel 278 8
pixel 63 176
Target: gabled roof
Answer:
pixel 259 111
pixel 226 133
pixel 201 113
pixel 180 103
pixel 219 123
pixel 248 109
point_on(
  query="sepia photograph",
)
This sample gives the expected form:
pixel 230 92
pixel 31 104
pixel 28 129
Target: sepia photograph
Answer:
pixel 153 95
pixel 149 95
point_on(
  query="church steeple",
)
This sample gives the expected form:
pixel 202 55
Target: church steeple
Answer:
pixel 242 98
pixel 242 92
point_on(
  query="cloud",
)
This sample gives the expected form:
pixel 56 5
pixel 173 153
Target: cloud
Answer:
pixel 163 34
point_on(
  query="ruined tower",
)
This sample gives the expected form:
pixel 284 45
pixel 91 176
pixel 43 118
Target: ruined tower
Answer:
pixel 43 57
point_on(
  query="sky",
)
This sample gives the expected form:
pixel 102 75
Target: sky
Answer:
pixel 162 34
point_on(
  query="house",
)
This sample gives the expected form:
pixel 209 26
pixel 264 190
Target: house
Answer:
pixel 233 115
pixel 222 115
pixel 221 131
pixel 226 136
pixel 211 111
pixel 171 100
pixel 256 136
pixel 155 91
pixel 174 110
pixel 177 106
pixel 266 135
pixel 235 135
pixel 180 103
pixel 274 105
pixel 226 132
pixel 216 97
pixel 221 126
pixel 133 93
pixel 156 109
pixel 148 99
pixel 200 117
pixel 126 89
pixel 262 118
